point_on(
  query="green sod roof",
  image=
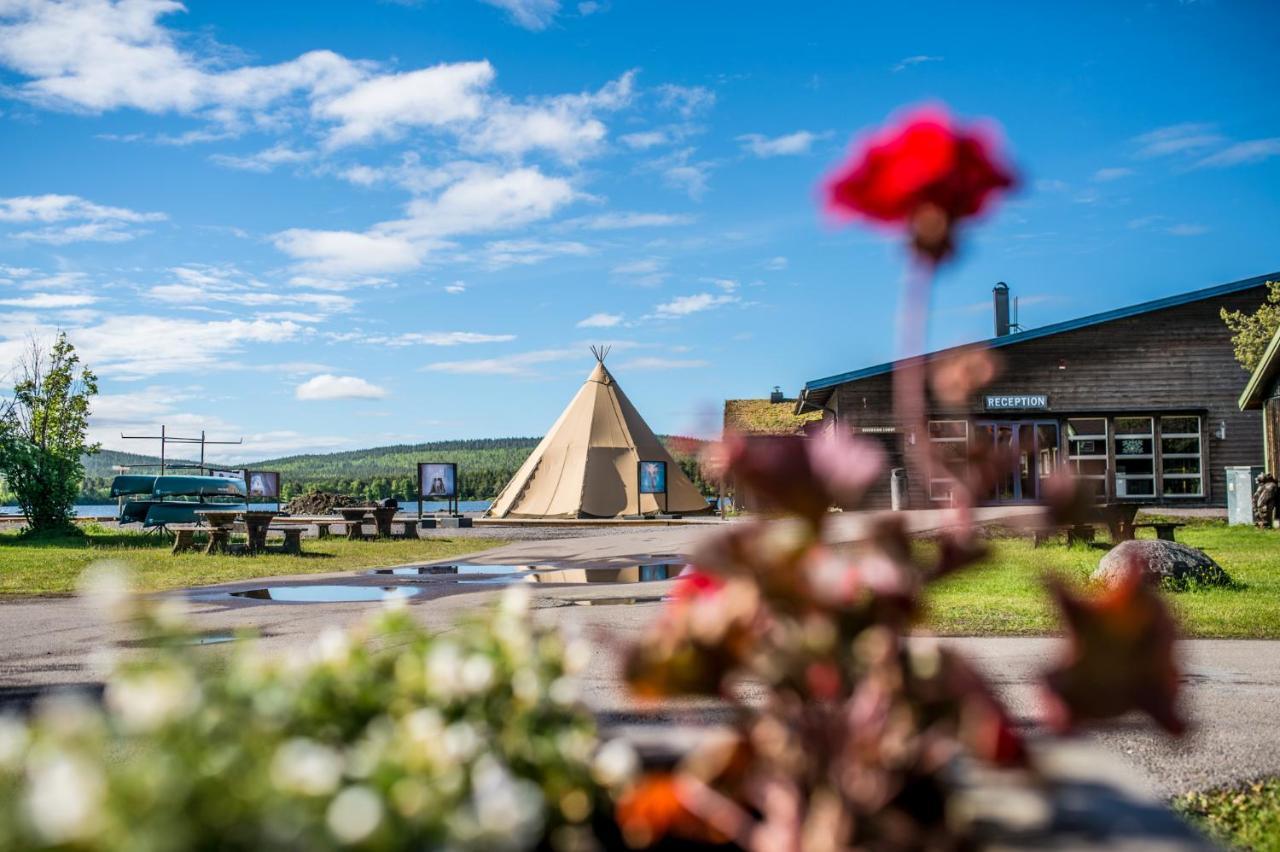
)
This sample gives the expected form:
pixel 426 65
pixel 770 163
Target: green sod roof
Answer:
pixel 762 417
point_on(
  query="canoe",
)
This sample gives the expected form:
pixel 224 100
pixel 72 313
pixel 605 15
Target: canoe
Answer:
pixel 132 483
pixel 135 511
pixel 197 486
pixel 174 512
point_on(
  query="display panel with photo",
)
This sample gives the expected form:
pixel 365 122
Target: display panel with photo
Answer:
pixel 438 480
pixel 263 484
pixel 653 477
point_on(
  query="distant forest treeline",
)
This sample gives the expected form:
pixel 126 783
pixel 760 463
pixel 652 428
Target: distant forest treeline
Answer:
pixel 484 466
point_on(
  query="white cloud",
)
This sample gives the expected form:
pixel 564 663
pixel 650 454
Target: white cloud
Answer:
pixel 327 386
pixel 484 199
pixel 421 338
pixel 645 272
pixel 779 146
pixel 682 306
pixel 655 363
pixel 50 301
pixel 202 286
pixel 1187 230
pixel 644 139
pixel 1241 153
pixel 1107 175
pixel 386 106
pixel 530 14
pixel 265 160
pixel 625 220
pixel 346 252
pixel 70 218
pixel 919 59
pixel 601 320
pixel 1177 139
pixel 686 100
pixel 776 264
pixel 510 365
pixel 456 287
pixel 681 171
pixel 504 253
pixel 695 303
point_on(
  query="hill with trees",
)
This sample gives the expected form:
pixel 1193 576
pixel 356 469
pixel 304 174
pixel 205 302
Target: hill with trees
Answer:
pixel 484 466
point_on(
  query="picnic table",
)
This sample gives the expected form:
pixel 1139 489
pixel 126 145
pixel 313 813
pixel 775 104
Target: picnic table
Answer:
pixel 355 517
pixel 1164 529
pixel 256 523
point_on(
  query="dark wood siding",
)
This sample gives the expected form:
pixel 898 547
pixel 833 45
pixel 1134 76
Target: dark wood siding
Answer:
pixel 1173 360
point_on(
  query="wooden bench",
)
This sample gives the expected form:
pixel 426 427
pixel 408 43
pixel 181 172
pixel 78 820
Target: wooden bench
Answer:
pixel 1164 529
pixel 184 538
pixel 322 528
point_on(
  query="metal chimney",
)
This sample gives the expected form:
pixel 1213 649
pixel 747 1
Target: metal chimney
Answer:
pixel 1000 295
pixel 777 396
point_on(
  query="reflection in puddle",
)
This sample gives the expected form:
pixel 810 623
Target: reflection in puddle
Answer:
pixel 620 575
pixel 327 594
pixel 650 599
pixel 451 570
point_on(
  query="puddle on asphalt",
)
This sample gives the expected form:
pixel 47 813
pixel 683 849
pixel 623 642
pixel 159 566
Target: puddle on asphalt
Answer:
pixel 620 575
pixel 326 594
pixel 633 601
pixel 460 569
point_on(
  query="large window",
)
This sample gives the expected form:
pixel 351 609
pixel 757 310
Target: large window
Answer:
pixel 1087 452
pixel 950 442
pixel 1180 463
pixel 1135 446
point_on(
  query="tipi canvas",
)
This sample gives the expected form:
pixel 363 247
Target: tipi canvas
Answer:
pixel 587 465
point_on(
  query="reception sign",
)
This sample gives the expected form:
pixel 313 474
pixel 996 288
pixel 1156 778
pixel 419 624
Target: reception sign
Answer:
pixel 1017 402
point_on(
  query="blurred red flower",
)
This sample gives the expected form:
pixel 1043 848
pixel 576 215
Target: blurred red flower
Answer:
pixel 925 173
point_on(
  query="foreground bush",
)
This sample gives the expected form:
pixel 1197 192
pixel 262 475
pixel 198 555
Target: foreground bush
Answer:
pixel 385 737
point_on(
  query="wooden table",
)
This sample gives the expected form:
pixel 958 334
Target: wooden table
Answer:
pixel 355 516
pixel 1164 529
pixel 222 522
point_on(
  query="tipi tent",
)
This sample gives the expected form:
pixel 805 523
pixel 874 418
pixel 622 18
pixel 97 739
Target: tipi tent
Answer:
pixel 587 465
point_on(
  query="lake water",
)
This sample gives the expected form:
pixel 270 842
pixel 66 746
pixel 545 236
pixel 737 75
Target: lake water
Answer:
pixel 408 508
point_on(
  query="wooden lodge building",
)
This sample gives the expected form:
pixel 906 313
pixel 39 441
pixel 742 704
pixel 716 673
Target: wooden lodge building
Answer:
pixel 1141 402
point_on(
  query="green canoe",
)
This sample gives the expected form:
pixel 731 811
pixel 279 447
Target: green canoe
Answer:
pixel 197 486
pixel 132 483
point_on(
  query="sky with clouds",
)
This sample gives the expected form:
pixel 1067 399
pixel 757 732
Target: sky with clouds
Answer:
pixel 334 225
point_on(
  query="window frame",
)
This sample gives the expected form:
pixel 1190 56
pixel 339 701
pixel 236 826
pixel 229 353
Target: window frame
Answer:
pixel 1074 459
pixel 1118 477
pixel 1198 456
pixel 948 480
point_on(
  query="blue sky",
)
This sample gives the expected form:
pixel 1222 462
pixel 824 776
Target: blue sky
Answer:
pixel 335 225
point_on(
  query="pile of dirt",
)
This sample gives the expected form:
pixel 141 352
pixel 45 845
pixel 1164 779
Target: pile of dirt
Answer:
pixel 321 503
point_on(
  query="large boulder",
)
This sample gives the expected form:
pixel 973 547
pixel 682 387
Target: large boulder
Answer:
pixel 1168 564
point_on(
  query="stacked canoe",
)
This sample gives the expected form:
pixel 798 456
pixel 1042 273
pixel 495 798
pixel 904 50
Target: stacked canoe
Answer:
pixel 157 501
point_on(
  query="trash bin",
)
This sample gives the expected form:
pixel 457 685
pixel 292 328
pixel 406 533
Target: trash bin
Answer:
pixel 1240 481
pixel 898 489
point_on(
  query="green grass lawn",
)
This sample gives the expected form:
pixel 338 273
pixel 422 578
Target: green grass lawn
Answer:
pixel 51 567
pixel 1005 596
pixel 1243 817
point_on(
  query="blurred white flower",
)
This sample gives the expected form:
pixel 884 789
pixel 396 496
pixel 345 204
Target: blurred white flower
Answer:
pixel 476 674
pixel 526 686
pixel 354 814
pixel 143 701
pixel 171 612
pixel 576 656
pixel 307 767
pixel 616 764
pixel 461 741
pixel 508 810
pixel 515 600
pixel 105 585
pixel 64 797
pixel 14 737
pixel 444 669
pixel 332 646
pixel 563 691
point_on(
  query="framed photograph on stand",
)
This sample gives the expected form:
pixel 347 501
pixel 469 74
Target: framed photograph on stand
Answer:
pixel 438 481
pixel 652 476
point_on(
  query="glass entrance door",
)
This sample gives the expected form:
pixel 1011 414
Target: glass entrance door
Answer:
pixel 1033 447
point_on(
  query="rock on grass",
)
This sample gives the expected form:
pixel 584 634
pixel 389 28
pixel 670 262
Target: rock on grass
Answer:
pixel 1170 565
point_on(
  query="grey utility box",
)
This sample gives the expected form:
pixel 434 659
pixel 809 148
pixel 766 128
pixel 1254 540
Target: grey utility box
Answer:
pixel 1240 481
pixel 898 489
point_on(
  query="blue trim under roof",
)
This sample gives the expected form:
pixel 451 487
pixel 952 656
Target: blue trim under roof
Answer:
pixel 1056 328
